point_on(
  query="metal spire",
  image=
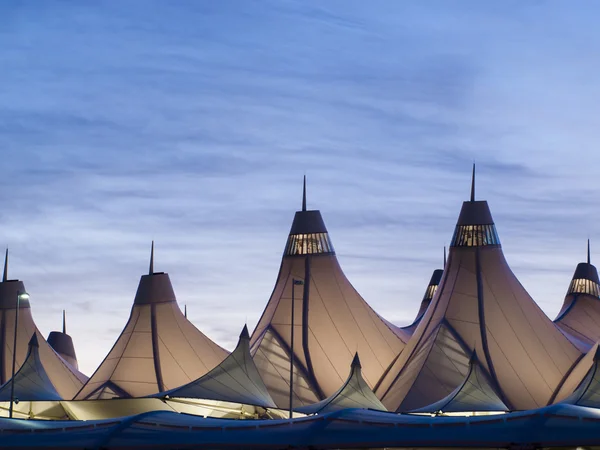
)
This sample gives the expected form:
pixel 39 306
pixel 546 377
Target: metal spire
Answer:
pixel 64 322
pixel 151 271
pixel 589 259
pixel 304 195
pixel 185 311
pixel 444 256
pixel 473 184
pixel 5 276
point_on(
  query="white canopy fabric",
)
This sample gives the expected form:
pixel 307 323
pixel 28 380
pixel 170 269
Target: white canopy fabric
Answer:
pixel 31 382
pixel 480 307
pixel 235 379
pixel 588 391
pixel 158 350
pixel 354 393
pixel 332 322
pixel 475 394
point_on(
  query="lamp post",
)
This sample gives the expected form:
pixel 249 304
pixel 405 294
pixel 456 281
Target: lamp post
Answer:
pixel 295 283
pixel 20 296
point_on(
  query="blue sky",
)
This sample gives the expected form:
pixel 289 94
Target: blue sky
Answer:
pixel 192 123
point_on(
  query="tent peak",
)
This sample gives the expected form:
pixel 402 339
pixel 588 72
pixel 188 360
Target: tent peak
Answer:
pixel 244 334
pixel 33 342
pixel 304 194
pixel 5 275
pixel 356 362
pixel 473 184
pixel 151 270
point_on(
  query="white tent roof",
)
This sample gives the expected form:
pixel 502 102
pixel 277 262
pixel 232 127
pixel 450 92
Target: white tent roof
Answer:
pixel 481 307
pixel 474 394
pixel 31 382
pixel 354 393
pixel 235 380
pixel 158 350
pixel 332 321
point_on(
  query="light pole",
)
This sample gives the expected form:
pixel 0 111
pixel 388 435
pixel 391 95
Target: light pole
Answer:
pixel 20 296
pixel 295 283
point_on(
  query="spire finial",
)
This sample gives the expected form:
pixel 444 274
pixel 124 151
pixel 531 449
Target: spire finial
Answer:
pixel 589 259
pixel 151 271
pixel 5 275
pixel 185 311
pixel 64 322
pixel 473 184
pixel 444 257
pixel 304 194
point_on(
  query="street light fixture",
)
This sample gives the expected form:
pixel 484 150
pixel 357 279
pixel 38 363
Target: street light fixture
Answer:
pixel 20 297
pixel 295 283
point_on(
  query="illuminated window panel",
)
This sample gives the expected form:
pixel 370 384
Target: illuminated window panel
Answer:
pixel 584 286
pixel 308 244
pixel 475 236
pixel 430 291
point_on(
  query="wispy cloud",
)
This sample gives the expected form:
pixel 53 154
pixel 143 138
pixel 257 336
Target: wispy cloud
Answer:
pixel 193 123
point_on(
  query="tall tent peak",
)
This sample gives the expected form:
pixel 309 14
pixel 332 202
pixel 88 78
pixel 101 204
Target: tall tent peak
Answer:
pixel 473 184
pixel 33 342
pixel 151 270
pixel 5 275
pixel 356 361
pixel 304 194
pixel 244 334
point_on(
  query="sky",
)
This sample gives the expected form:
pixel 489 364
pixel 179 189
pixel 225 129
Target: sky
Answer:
pixel 193 123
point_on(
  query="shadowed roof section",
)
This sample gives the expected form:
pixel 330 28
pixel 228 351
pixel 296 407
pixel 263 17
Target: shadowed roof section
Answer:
pixel 31 382
pixel 481 307
pixel 158 350
pixel 354 393
pixel 579 317
pixel 235 380
pixel 434 282
pixel 474 394
pixel 66 379
pixel 62 344
pixel 582 386
pixel 332 321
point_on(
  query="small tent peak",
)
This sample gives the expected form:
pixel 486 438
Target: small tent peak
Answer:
pixel 245 334
pixel 473 184
pixel 5 275
pixel 151 270
pixel 33 342
pixel 304 194
pixel 356 361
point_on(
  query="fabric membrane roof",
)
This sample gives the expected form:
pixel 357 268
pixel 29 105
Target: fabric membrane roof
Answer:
pixel 31 382
pixel 235 379
pixel 158 350
pixel 480 307
pixel 332 321
pixel 354 393
pixel 475 394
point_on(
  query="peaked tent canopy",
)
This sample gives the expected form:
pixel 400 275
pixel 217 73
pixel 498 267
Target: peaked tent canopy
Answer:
pixel 579 318
pixel 475 394
pixel 235 380
pixel 31 382
pixel 480 306
pixel 354 393
pixel 65 379
pixel 588 391
pixel 158 350
pixel 331 322
pixel 62 344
